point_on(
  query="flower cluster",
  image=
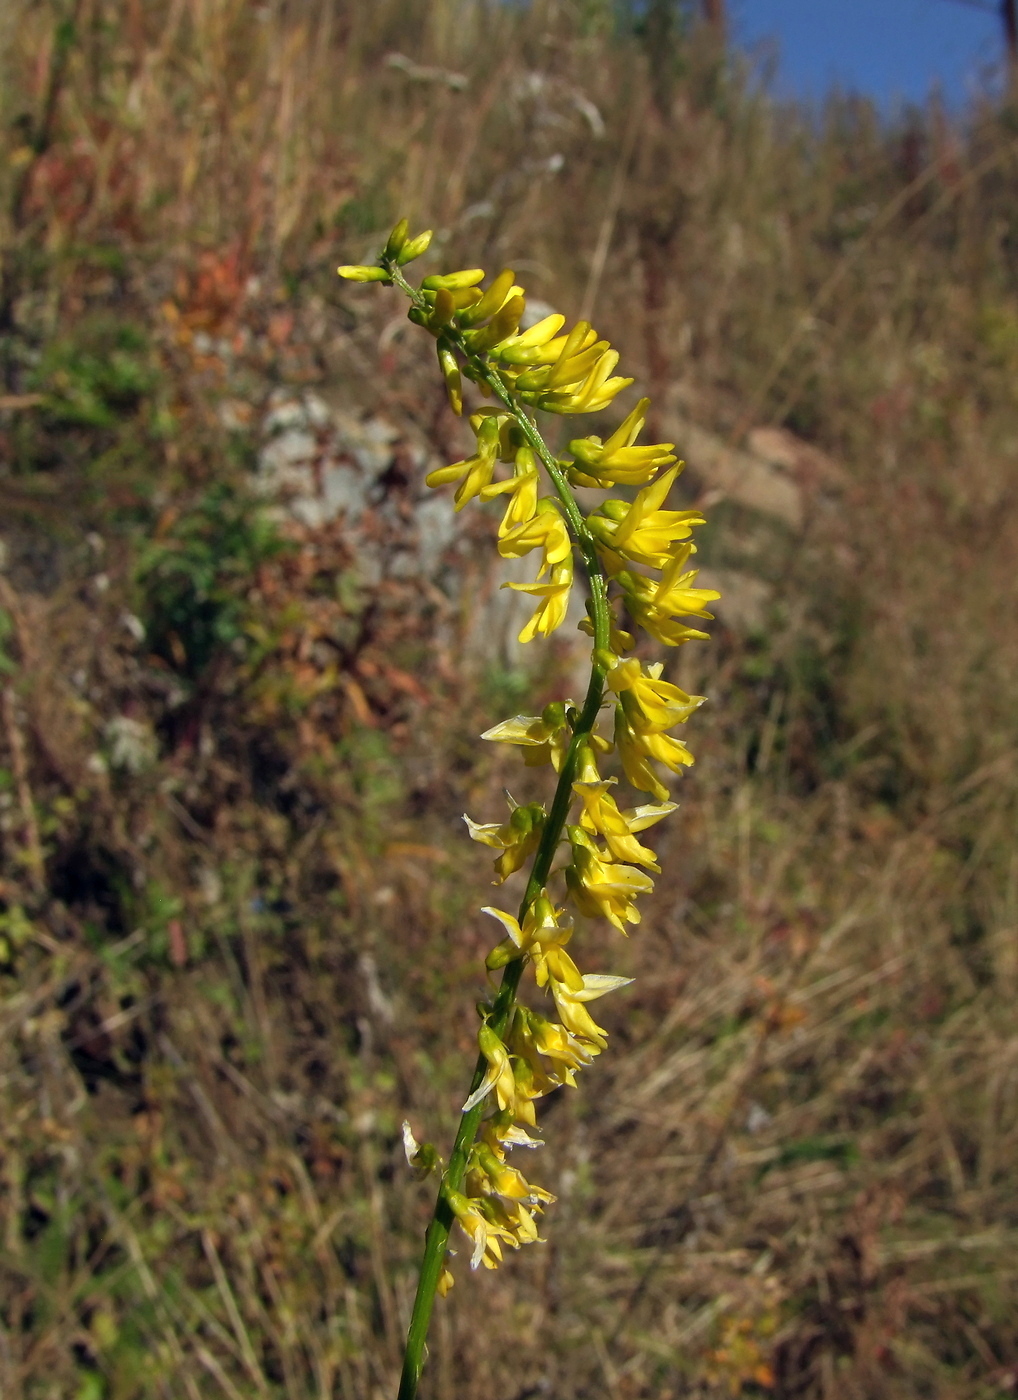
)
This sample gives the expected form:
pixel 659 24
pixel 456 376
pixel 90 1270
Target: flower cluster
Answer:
pixel 635 553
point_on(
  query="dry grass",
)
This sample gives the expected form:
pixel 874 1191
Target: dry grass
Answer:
pixel 231 965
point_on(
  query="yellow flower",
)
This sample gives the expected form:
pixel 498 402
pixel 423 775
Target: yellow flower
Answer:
pixel 546 530
pixel 483 1232
pixel 514 1216
pixel 545 737
pixel 502 325
pixel 522 488
pixel 601 816
pixel 536 346
pixel 570 1005
pixel 540 924
pixel 596 392
pixel 562 362
pixel 654 603
pixel 492 301
pixel 659 625
pixel 603 889
pixel 499 1075
pixel 520 1221
pixel 536 1034
pixel 495 1177
pixel 617 461
pixel 637 747
pixel 475 472
pixel 516 838
pixel 553 608
pixel 642 531
pixel 532 1082
pixel 675 594
pixel 500 1132
pixel 562 374
pixel 543 938
pixel 649 702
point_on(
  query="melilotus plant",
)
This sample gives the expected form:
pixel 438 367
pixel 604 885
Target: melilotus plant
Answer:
pixel 634 553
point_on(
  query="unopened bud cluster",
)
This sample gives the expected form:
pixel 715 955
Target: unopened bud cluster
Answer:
pixel 636 555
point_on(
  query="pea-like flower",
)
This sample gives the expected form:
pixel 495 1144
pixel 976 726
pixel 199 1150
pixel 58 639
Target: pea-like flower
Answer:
pixel 517 838
pixel 637 747
pixel 569 1003
pixel 601 888
pixel 565 361
pixel 545 530
pixel 539 345
pixel 494 1177
pixel 617 462
pixel 533 1081
pixel 649 702
pixel 474 473
pixel 501 1133
pixel 501 291
pixel 542 938
pixel 642 531
pixel 675 594
pixel 515 1216
pixel 545 738
pixel 499 1075
pixel 534 1034
pixel 522 488
pixel 484 1233
pixel 654 603
pixel 596 392
pixel 602 817
pixel 662 626
pixel 553 608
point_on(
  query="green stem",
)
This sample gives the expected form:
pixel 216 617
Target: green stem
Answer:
pixel 437 1235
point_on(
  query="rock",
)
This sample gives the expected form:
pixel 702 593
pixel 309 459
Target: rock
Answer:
pixel 808 465
pixel 322 462
pixel 742 477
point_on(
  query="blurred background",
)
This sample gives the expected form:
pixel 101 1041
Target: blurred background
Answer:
pixel 245 657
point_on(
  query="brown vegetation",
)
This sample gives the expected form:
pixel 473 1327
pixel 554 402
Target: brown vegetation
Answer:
pixel 238 934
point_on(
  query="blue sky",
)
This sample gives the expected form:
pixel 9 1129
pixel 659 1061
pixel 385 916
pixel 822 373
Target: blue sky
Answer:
pixel 892 50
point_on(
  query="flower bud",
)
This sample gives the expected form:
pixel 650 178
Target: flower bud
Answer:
pixel 502 953
pixel 443 310
pixel 394 243
pixel 414 247
pixel 614 510
pixel 453 281
pixel 447 363
pixel 500 327
pixel 491 301
pixel 354 273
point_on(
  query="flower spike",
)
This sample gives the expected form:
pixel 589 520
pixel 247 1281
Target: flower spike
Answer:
pixel 581 853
